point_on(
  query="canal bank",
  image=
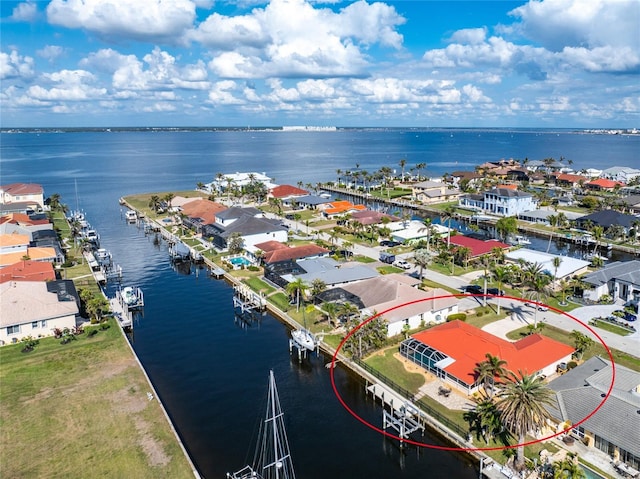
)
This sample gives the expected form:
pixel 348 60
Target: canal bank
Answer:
pixel 452 435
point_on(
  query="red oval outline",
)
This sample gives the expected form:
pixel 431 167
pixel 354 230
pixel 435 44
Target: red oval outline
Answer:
pixel 469 449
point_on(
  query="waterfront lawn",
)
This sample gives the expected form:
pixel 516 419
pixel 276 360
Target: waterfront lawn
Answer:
pixel 280 301
pixel 81 410
pixel 390 193
pixel 256 284
pixel 389 366
pixel 141 201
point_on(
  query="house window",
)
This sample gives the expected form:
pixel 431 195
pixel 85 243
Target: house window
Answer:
pixel 34 325
pixel 43 323
pixel 13 329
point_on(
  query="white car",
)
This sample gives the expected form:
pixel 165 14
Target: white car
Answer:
pixel 402 264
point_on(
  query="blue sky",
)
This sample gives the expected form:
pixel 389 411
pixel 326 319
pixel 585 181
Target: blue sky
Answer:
pixel 502 63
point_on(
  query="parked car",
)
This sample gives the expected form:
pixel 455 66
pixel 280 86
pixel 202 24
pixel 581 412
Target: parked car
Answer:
pixel 402 264
pixel 387 257
pixel 495 291
pixel 630 316
pixel 541 307
pixel 473 289
pixel 389 243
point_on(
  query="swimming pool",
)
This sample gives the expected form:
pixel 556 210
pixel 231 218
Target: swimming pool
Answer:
pixel 240 261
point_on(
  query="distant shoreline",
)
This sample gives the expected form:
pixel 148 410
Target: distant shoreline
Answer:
pixel 315 129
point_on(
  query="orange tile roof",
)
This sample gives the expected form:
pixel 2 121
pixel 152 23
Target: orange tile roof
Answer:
pixel 343 206
pixel 468 345
pixel 28 271
pixel 508 187
pixel 37 254
pixel 569 178
pixel 14 239
pixel 303 251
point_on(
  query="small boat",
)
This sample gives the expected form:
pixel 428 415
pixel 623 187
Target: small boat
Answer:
pixel 103 256
pixel 179 251
pixel 131 216
pixel 592 256
pixel 520 240
pixel 272 459
pixel 129 296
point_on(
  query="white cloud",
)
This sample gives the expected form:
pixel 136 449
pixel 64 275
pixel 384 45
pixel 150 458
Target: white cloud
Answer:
pixel 13 65
pixel 603 59
pixel 222 93
pixel 557 24
pixel 291 38
pixel 122 19
pixel 68 85
pixel 470 36
pixel 24 12
pixel 50 52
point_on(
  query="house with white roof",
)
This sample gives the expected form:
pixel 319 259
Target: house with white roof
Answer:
pixel 500 201
pixel 620 280
pixel 406 307
pixel 36 308
pixel 623 174
pixel 429 192
pixel 224 181
pixel 568 266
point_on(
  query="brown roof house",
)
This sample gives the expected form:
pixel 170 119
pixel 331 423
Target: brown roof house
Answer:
pixel 428 192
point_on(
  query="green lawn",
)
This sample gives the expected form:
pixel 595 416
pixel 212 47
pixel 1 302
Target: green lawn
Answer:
pixel 389 269
pixel 385 363
pixel 280 301
pixel 363 259
pixel 81 410
pixel 612 328
pixel 259 286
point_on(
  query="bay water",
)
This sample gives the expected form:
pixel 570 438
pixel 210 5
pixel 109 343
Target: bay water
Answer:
pixel 210 372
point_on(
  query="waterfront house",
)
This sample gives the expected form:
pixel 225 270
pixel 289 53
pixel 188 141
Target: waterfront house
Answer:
pixel 238 180
pixel 470 179
pixel 36 308
pixel 15 247
pixel 27 270
pixel 630 204
pixel 370 217
pixel 452 350
pixel 275 252
pixel 612 422
pixel 288 194
pixel 623 174
pixel 403 306
pixel 477 247
pixel 312 202
pixel 603 184
pixel 568 268
pixel 619 280
pixel 429 192
pixel 414 230
pixel 200 212
pixel 330 271
pixel 342 207
pixel 542 216
pixel 22 193
pixel 570 180
pixel 500 201
pixel 606 219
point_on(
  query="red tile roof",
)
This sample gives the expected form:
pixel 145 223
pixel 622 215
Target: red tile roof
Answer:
pixel 604 183
pixel 298 252
pixel 19 189
pixel 477 247
pixel 508 187
pixel 28 271
pixel 270 246
pixel 284 191
pixel 204 209
pixel 468 345
pixel 22 219
pixel 342 206
pixel 568 178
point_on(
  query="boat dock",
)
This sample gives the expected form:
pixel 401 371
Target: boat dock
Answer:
pixel 246 299
pixel 122 314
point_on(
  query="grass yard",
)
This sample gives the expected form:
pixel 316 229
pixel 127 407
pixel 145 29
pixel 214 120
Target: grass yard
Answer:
pixel 389 269
pixel 612 328
pixel 81 410
pixel 280 301
pixel 259 286
pixel 384 362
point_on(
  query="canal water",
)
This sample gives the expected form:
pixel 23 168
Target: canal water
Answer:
pixel 211 373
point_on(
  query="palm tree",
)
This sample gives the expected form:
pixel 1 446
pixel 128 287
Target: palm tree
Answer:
pixel 403 162
pixel 154 202
pixel 598 233
pixel 338 175
pixel 297 288
pixel 169 198
pixel 568 468
pixel 539 282
pixel 484 418
pixel 501 275
pixel 553 222
pixel 428 228
pixel 488 370
pixel 331 310
pixel 521 404
pixel 54 201
pixel 422 258
pixel 582 343
pixel 420 167
pixel 556 262
pixel 448 214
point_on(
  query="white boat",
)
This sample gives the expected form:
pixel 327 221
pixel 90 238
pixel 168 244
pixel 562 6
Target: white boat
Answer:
pixel 272 458
pixel 103 256
pixel 305 339
pixel 519 240
pixel 131 216
pixel 129 296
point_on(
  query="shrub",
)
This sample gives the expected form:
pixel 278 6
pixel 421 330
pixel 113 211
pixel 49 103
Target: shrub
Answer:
pixel 479 313
pixel 92 333
pixel 253 268
pixel 456 316
pixel 572 364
